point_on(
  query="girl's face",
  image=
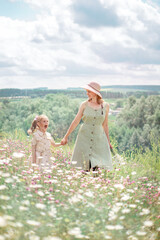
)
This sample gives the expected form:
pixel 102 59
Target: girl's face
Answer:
pixel 43 124
pixel 91 94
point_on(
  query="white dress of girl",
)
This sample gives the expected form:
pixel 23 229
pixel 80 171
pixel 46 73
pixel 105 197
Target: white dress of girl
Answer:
pixel 42 143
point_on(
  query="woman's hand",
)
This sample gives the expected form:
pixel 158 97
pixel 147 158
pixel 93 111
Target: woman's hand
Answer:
pixel 64 140
pixel 110 146
pixel 111 149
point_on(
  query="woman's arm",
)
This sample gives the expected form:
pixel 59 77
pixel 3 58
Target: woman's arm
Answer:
pixel 74 123
pixel 105 125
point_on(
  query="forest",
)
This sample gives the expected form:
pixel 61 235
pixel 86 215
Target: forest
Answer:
pixel 137 125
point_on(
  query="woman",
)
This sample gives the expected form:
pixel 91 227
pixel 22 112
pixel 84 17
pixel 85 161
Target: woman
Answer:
pixel 92 147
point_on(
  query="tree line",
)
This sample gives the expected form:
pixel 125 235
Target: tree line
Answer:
pixel 74 93
pixel 60 110
pixel 135 127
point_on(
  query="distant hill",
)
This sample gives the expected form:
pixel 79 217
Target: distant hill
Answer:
pixel 115 91
pixel 126 87
pixel 134 87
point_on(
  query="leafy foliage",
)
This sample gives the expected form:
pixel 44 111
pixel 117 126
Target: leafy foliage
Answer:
pixel 138 123
pixel 60 110
pixel 135 127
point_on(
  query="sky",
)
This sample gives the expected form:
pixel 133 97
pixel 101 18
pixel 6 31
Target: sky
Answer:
pixel 69 43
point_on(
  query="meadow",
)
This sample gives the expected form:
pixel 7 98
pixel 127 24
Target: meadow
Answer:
pixel 62 203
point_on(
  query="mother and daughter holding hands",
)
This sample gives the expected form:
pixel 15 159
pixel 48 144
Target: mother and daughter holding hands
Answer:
pixel 92 146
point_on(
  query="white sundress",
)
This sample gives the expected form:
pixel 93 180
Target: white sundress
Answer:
pixel 91 146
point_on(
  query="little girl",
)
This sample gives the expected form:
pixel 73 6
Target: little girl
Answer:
pixel 41 141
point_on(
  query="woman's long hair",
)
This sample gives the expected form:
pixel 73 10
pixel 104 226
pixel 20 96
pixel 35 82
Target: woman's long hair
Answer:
pixel 99 99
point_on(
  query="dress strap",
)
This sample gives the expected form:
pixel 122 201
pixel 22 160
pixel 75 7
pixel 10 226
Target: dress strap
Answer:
pixel 86 103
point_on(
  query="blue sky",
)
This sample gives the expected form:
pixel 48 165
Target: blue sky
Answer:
pixel 17 10
pixel 59 44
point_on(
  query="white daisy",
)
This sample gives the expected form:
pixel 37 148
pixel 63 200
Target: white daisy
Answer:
pixel 2 187
pixel 40 205
pixel 141 233
pixel 148 223
pixel 32 222
pixel 3 222
pixel 18 155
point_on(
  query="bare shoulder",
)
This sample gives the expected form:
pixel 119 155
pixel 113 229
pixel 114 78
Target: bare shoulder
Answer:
pixel 83 105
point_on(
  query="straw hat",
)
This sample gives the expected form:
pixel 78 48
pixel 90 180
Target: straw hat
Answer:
pixel 93 87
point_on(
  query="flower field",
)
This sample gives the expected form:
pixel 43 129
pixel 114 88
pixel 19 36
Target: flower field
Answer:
pixel 63 203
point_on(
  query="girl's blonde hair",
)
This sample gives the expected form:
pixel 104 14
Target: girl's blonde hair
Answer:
pixel 35 122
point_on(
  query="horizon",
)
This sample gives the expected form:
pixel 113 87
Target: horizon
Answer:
pixel 102 86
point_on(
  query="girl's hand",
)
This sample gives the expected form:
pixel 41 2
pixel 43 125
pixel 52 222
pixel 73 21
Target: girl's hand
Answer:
pixel 64 140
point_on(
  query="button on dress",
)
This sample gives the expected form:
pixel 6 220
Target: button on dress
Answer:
pixel 91 146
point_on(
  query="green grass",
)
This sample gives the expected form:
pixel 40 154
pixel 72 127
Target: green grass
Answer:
pixel 62 203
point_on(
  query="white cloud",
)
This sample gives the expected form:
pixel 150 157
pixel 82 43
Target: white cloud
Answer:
pixel 66 51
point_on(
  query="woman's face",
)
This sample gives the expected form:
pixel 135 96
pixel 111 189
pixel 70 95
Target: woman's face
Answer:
pixel 91 94
pixel 43 124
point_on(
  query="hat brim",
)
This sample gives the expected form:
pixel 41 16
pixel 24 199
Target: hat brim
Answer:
pixel 92 90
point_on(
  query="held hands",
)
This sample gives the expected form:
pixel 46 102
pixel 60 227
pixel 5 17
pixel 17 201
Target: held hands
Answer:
pixel 64 140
